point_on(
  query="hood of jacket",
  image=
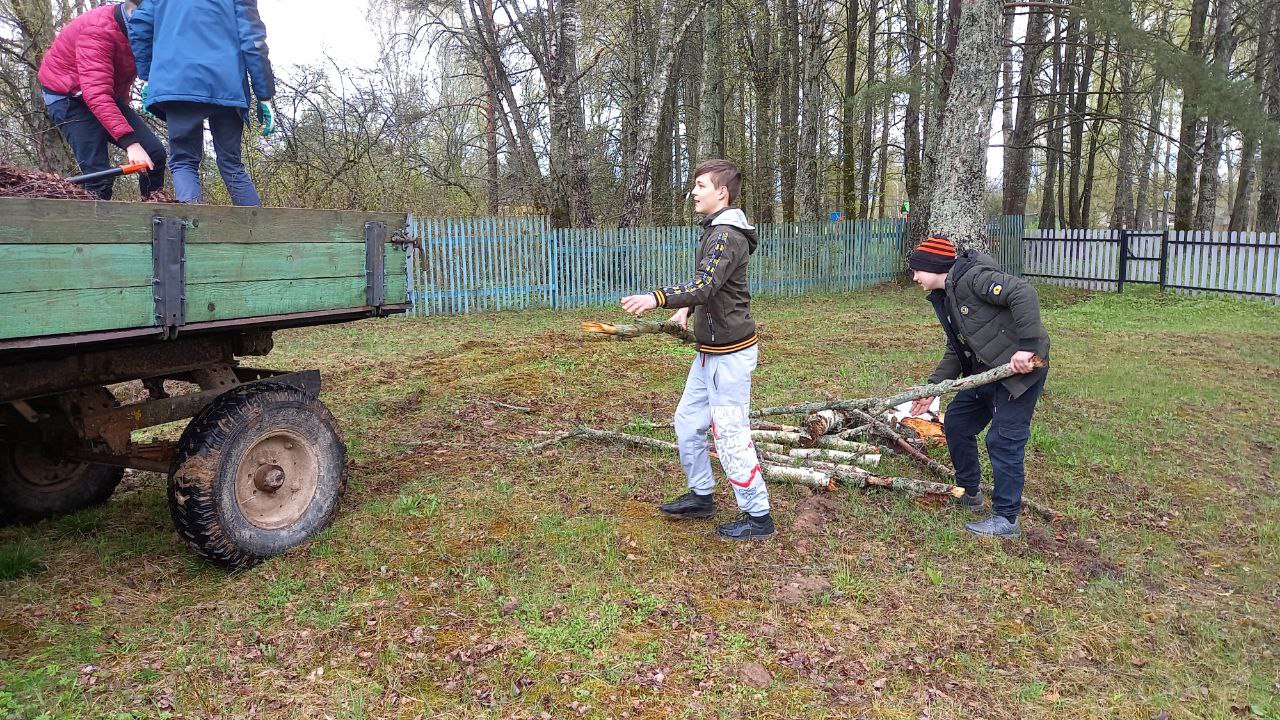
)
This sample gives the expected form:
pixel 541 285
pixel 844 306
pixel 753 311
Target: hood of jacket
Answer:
pixel 734 217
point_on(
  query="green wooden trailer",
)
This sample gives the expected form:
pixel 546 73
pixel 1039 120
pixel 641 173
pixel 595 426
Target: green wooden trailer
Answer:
pixel 98 293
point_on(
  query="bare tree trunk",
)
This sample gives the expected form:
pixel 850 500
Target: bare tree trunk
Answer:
pixel 692 57
pixel 1146 169
pixel 579 182
pixel 958 207
pixel 1017 143
pixel 764 77
pixel 1122 207
pixel 1059 79
pixel 490 122
pixel 664 169
pixel 1269 170
pixel 1224 45
pixel 1079 102
pixel 868 111
pixel 882 166
pixel 946 23
pixel 1095 135
pixel 911 114
pixel 35 26
pixel 812 115
pixel 849 123
pixel 1185 191
pixel 789 137
pixel 638 183
pixel 524 150
pixel 557 106
pixel 1243 204
pixel 1006 84
pixel 711 134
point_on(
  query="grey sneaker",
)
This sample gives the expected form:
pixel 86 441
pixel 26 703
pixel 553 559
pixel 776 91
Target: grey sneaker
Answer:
pixel 972 503
pixel 994 526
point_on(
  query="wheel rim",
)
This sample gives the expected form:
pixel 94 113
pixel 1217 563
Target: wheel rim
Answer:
pixel 32 464
pixel 276 480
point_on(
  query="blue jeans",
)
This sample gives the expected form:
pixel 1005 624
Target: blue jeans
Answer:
pixel 186 150
pixel 89 140
pixel 1010 420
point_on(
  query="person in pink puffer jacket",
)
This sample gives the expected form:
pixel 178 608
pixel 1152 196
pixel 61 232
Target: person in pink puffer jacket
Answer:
pixel 86 76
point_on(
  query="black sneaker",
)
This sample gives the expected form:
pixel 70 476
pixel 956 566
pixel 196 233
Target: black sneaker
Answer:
pixel 747 527
pixel 689 505
pixel 972 503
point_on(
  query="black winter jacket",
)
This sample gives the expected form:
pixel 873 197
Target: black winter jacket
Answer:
pixel 987 316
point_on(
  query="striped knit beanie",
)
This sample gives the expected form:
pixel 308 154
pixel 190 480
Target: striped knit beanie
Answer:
pixel 936 255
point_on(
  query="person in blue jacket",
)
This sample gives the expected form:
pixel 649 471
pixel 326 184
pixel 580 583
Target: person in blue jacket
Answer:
pixel 198 58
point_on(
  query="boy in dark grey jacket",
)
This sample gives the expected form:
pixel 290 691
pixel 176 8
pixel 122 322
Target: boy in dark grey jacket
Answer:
pixel 717 392
pixel 990 318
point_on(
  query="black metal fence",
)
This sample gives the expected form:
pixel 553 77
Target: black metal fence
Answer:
pixel 1239 264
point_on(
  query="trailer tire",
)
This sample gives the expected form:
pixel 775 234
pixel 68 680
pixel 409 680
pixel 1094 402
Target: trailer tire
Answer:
pixel 260 470
pixel 37 483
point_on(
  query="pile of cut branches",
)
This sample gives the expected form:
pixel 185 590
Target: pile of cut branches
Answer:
pixel 27 183
pixel 867 419
pixel 839 439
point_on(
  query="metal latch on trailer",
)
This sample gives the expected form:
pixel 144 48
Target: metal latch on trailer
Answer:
pixel 168 279
pixel 375 264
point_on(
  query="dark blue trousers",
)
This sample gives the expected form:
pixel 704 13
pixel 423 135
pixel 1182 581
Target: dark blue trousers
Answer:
pixel 186 150
pixel 1010 420
pixel 89 142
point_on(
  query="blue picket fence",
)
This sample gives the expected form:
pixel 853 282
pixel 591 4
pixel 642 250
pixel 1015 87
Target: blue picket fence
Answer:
pixel 467 265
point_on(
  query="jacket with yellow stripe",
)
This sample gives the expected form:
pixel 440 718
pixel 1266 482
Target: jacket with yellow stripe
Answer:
pixel 722 320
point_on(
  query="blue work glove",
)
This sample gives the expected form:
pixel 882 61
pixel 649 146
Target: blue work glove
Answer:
pixel 266 118
pixel 145 112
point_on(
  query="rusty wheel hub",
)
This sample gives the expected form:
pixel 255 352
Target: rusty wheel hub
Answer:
pixel 277 480
pixel 37 465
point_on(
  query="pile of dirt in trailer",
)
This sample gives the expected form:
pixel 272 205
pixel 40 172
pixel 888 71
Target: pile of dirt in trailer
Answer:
pixel 25 182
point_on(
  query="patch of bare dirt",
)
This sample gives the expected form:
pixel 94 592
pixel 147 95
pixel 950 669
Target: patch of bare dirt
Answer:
pixel 1077 555
pixel 755 675
pixel 801 588
pixel 813 514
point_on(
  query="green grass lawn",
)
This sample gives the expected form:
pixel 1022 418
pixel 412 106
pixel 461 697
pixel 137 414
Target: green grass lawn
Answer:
pixel 467 578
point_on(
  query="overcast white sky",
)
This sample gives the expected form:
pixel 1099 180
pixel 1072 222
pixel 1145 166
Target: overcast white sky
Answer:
pixel 302 32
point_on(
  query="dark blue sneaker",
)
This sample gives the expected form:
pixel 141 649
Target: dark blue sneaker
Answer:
pixel 747 527
pixel 994 526
pixel 972 503
pixel 690 505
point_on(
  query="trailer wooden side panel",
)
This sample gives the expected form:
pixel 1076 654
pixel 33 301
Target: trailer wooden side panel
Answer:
pixel 74 266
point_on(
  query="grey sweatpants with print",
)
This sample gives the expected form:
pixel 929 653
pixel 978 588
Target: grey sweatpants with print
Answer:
pixel 717 395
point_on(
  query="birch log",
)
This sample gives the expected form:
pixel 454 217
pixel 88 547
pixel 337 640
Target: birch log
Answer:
pixel 876 405
pixel 857 477
pixel 829 443
pixel 885 429
pixel 835 456
pixel 825 422
pixel 1044 511
pixel 776 466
